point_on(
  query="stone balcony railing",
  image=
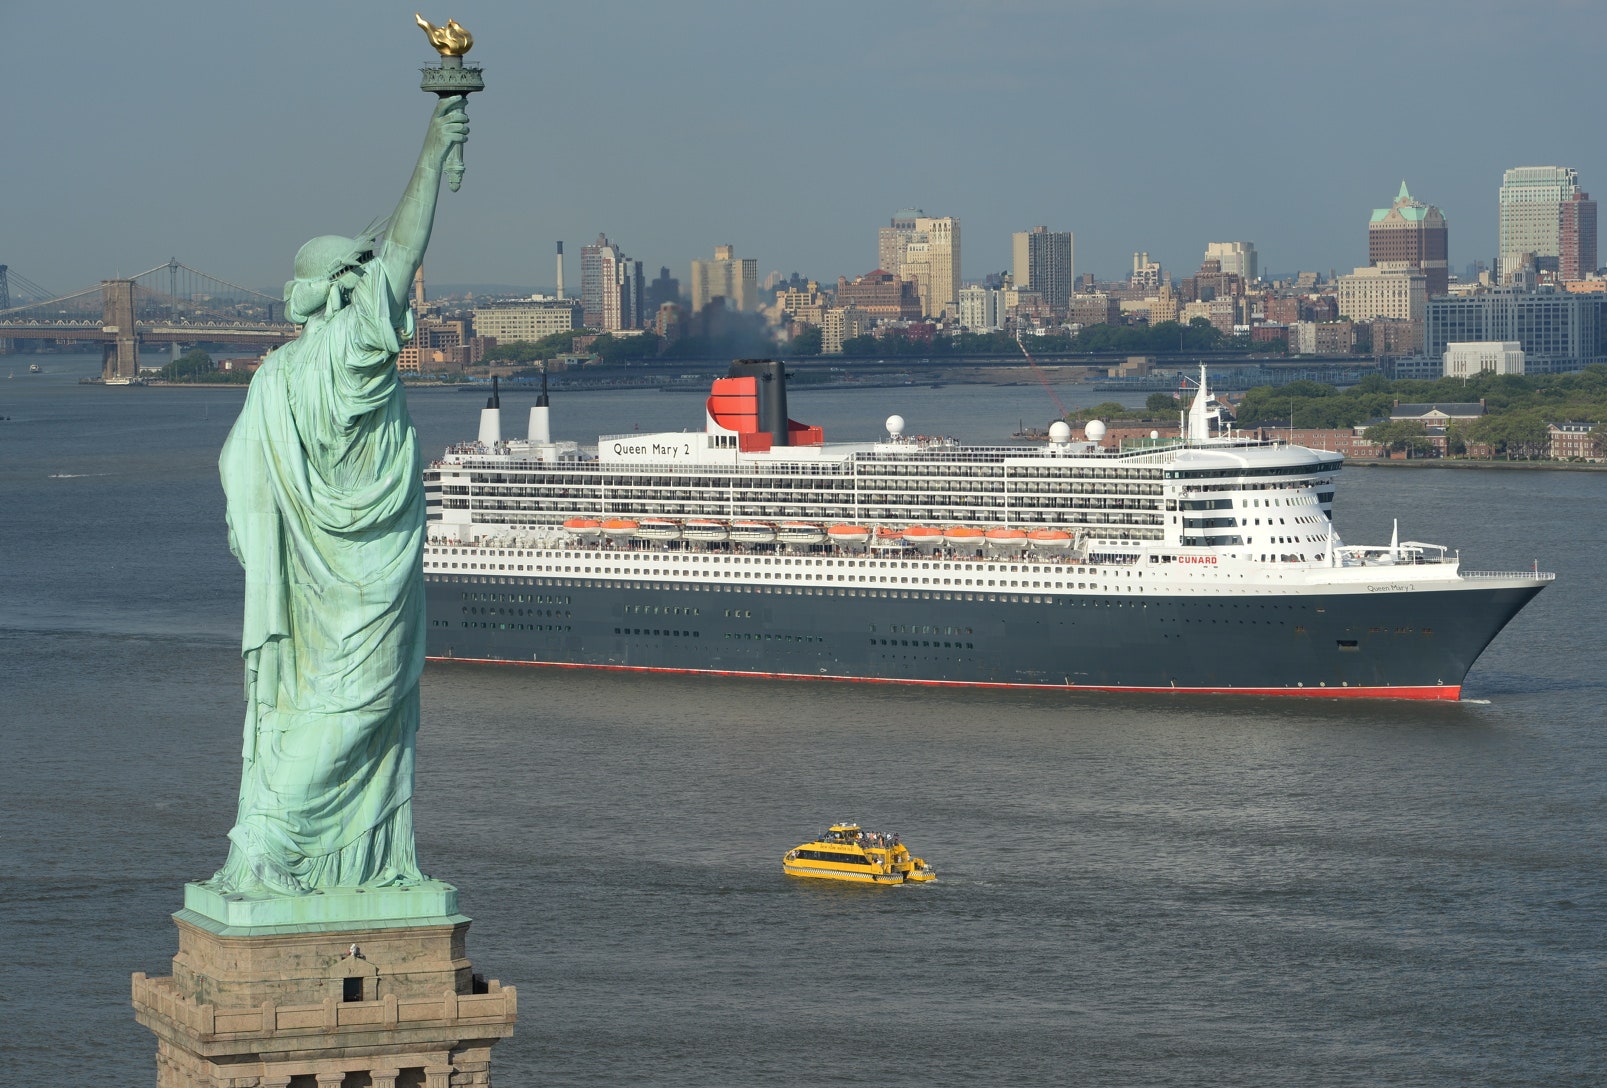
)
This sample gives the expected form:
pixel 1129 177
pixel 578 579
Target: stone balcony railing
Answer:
pixel 466 1015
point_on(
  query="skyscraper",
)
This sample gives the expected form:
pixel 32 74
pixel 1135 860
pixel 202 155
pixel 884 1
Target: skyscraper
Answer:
pixel 932 260
pixel 727 276
pixel 1042 261
pixel 1576 241
pixel 891 240
pixel 1531 216
pixel 1236 259
pixel 611 287
pixel 1416 233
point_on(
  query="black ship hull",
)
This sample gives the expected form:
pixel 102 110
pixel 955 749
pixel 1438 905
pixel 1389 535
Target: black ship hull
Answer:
pixel 1415 644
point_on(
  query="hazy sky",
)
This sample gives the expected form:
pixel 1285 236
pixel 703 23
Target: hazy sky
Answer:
pixel 226 134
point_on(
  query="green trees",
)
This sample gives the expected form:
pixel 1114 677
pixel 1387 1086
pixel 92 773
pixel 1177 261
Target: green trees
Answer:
pixel 1163 404
pixel 808 342
pixel 527 352
pixel 1518 435
pixel 191 366
pixel 1400 434
pixel 626 349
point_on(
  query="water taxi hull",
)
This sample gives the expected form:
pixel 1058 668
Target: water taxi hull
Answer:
pixel 793 869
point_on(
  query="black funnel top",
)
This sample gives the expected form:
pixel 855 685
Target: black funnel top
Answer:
pixel 772 377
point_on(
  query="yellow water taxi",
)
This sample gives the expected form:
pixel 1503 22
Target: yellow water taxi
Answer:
pixel 848 852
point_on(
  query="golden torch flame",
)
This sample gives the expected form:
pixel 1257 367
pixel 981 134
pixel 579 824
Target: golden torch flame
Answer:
pixel 450 40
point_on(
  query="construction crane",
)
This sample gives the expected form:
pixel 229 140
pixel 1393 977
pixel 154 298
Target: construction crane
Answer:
pixel 1043 380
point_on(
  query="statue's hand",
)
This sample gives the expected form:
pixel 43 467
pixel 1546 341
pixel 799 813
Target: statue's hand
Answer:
pixel 449 126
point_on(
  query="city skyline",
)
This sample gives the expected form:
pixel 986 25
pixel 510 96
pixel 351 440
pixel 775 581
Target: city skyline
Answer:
pixel 171 127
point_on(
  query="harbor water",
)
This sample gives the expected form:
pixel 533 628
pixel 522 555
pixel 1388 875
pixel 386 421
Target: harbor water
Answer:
pixel 1132 890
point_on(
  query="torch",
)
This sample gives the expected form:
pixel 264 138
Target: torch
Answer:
pixel 450 77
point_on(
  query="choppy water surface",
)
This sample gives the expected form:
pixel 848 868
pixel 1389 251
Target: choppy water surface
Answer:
pixel 1133 891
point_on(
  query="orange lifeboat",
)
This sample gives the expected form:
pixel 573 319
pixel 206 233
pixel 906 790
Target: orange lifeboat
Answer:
pixel 618 528
pixel 963 537
pixel 585 528
pixel 847 534
pixel 1049 540
pixel 926 537
pixel 1006 540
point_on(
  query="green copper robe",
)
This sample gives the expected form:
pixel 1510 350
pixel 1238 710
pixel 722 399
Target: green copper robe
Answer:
pixel 326 514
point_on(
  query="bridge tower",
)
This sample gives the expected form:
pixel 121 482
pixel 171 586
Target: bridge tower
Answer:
pixel 5 304
pixel 120 358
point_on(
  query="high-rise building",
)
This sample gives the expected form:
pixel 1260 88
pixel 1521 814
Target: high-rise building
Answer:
pixel 727 276
pixel 1531 217
pixel 1576 240
pixel 1393 289
pixel 666 288
pixel 1412 232
pixel 891 240
pixel 804 304
pixel 880 296
pixel 839 323
pixel 1146 273
pixel 1096 308
pixel 981 308
pixel 1559 331
pixel 530 319
pixel 932 260
pixel 611 287
pixel 1042 262
pixel 1236 259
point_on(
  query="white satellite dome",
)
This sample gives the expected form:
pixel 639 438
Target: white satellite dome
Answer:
pixel 1094 431
pixel 1060 432
pixel 895 425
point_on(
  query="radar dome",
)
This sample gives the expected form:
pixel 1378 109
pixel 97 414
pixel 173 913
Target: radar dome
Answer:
pixel 1153 435
pixel 895 425
pixel 1094 431
pixel 1060 432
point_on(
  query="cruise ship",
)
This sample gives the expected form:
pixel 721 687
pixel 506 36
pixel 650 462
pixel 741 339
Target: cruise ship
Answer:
pixel 752 547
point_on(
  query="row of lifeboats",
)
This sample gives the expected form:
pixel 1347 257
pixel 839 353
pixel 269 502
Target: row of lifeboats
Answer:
pixel 922 537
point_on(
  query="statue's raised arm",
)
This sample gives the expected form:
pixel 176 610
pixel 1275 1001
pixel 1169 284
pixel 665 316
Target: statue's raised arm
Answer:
pixel 409 232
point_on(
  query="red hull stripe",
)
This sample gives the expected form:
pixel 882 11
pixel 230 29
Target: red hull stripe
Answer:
pixel 1440 692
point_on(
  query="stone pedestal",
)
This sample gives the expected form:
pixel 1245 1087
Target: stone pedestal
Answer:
pixel 346 1002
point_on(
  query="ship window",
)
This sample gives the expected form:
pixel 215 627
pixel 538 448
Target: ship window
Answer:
pixel 1347 644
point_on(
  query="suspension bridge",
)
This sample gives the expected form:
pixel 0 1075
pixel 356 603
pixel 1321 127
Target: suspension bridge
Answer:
pixel 168 304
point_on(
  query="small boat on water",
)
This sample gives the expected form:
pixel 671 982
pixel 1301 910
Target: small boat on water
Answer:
pixel 848 852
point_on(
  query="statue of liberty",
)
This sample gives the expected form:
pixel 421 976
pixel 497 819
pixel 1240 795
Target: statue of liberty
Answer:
pixel 326 514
